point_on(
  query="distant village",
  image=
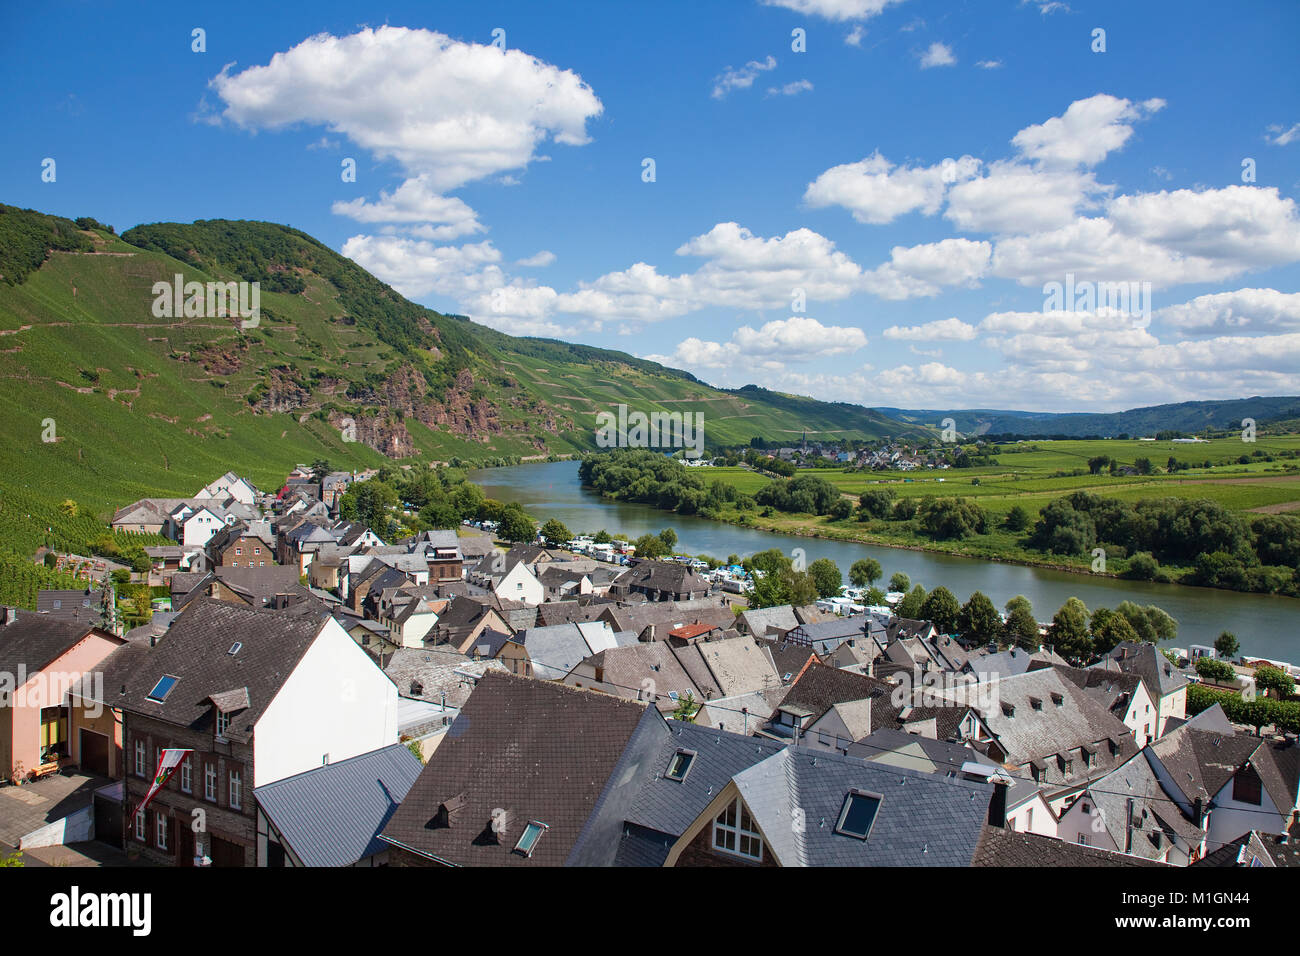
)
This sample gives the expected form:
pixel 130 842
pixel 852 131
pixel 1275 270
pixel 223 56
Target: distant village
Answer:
pixel 328 698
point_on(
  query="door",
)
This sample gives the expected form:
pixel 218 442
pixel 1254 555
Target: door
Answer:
pixel 184 844
pixel 94 752
pixel 226 852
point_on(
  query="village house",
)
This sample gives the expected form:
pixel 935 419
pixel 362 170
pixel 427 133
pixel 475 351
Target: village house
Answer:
pixel 1165 684
pixel 661 581
pixel 41 659
pixel 257 696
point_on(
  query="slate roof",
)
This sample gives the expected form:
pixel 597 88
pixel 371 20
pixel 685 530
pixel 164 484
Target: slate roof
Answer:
pixel 197 651
pixel 540 751
pixel 332 815
pixel 738 665
pixel 554 651
pixel 789 658
pixel 34 641
pixel 758 621
pixel 672 577
pixel 564 612
pixel 259 586
pixel 1156 818
pixel 1256 849
pixel 828 635
pixel 1161 677
pixel 923 819
pixel 1113 690
pixel 999 847
pixel 626 669
pixel 1202 762
pixel 1064 719
pixel 666 808
pixel 728 713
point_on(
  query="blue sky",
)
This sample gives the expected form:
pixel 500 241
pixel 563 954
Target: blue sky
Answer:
pixel 921 170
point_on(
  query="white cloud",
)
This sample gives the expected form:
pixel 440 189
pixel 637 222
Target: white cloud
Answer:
pixel 1244 310
pixel 876 191
pixel 416 267
pixel 837 10
pixel 1016 198
pixel 790 89
pixel 942 330
pixel 924 270
pixel 989 64
pixel 450 111
pixel 1086 133
pixel 938 54
pixel 740 79
pixel 414 201
pixel 796 339
pixel 1283 137
pixel 854 36
pixel 539 259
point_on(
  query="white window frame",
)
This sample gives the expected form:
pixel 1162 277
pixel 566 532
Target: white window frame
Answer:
pixel 235 793
pixel 738 832
pixel 223 723
pixel 160 830
pixel 139 826
pixel 139 757
pixel 187 776
pixel 210 782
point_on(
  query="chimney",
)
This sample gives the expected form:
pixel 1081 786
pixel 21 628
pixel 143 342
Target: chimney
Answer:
pixel 998 804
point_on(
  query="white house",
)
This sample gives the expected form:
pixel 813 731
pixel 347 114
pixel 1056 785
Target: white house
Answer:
pixel 520 584
pixel 230 485
pixel 202 523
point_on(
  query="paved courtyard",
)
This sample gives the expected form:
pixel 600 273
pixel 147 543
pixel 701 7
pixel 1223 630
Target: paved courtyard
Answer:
pixel 26 808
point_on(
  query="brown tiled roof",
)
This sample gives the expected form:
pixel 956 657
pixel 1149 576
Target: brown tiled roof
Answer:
pixel 34 641
pixel 538 751
pixel 999 847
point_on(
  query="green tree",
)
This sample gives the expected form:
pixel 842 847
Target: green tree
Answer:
pixel 686 708
pixel 1227 645
pixel 650 546
pixel 601 537
pixel 864 572
pixel 1017 519
pixel 874 597
pixel 414 747
pixel 1021 628
pixel 979 619
pixel 1277 683
pixel 669 537
pixel 900 582
pixel 1069 632
pixel 516 525
pixel 1151 623
pixel 1142 567
pixel 1220 672
pixel 1110 629
pixel 910 606
pixel 826 577
pixel 940 607
pixel 555 533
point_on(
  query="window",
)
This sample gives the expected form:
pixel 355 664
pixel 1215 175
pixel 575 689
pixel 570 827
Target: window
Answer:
pixel 528 839
pixel 239 550
pixel 1083 839
pixel 680 765
pixel 210 782
pixel 139 826
pixel 162 831
pixel 236 794
pixel 1029 820
pixel 734 832
pixel 859 814
pixel 187 775
pixel 139 758
pixel 162 689
pixel 223 723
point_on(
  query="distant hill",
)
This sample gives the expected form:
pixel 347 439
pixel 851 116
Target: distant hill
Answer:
pixel 1188 417
pixel 148 404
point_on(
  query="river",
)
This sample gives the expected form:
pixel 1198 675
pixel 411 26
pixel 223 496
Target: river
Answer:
pixel 1266 625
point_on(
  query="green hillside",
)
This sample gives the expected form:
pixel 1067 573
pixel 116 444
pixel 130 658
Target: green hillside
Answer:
pixel 139 404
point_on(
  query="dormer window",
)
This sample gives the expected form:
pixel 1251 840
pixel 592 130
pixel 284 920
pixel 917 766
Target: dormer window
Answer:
pixel 1058 699
pixel 223 723
pixel 1035 703
pixel 680 765
pixel 735 832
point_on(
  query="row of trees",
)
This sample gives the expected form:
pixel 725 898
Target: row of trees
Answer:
pixel 1258 713
pixel 434 498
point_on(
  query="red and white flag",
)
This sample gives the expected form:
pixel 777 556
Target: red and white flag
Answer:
pixel 168 761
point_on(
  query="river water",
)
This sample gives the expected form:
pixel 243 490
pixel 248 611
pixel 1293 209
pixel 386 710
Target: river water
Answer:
pixel 1266 625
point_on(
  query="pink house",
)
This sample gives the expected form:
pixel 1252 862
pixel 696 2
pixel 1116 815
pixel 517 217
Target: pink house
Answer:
pixel 41 659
